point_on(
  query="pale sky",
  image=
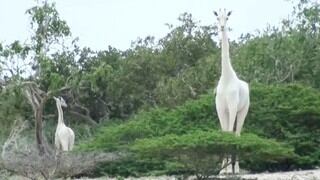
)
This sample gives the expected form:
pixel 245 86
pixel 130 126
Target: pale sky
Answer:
pixel 99 23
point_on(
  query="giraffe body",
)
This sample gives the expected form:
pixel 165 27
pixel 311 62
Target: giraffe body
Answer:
pixel 232 95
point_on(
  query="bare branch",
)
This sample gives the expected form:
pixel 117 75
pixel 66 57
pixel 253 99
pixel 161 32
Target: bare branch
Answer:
pixel 25 83
pixel 49 116
pixel 76 105
pixel 85 117
pixel 51 93
pixel 18 127
pixel 192 91
pixel 30 99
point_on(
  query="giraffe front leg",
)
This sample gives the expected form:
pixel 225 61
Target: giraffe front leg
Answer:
pixel 226 167
pixel 222 112
pixel 236 166
pixel 233 101
pixel 232 115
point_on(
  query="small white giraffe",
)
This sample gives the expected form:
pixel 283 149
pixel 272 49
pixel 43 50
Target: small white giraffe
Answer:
pixel 232 94
pixel 64 136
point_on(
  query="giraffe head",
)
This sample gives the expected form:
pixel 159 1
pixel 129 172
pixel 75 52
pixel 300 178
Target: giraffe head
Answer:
pixel 222 18
pixel 61 101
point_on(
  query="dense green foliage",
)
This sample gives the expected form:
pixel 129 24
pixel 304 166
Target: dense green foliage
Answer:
pixel 189 117
pixel 157 91
pixel 201 152
pixel 275 112
pixel 290 114
pixel 214 141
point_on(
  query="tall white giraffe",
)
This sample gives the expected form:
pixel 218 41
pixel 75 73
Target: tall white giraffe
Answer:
pixel 232 94
pixel 64 136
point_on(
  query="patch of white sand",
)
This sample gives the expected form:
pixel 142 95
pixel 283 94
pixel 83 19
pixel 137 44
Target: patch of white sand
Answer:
pixel 291 175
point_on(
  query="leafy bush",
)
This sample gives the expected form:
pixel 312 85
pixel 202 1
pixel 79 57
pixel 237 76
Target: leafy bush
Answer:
pixel 287 113
pixel 201 152
pixel 193 115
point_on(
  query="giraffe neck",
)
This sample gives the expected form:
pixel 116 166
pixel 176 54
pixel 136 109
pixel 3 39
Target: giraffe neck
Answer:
pixel 226 67
pixel 60 114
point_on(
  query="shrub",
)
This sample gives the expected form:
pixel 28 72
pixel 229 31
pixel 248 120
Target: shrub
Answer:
pixel 201 152
pixel 287 113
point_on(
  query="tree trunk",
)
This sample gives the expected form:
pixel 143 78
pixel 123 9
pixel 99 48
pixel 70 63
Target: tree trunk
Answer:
pixel 37 98
pixel 39 134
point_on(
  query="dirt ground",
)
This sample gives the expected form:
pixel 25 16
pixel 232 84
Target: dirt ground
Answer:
pixel 292 175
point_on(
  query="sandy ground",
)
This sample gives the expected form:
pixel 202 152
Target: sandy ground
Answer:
pixel 292 175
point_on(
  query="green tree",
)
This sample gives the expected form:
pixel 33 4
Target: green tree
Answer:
pixel 201 152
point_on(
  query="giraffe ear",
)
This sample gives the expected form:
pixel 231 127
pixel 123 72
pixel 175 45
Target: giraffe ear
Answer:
pixel 229 13
pixel 215 13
